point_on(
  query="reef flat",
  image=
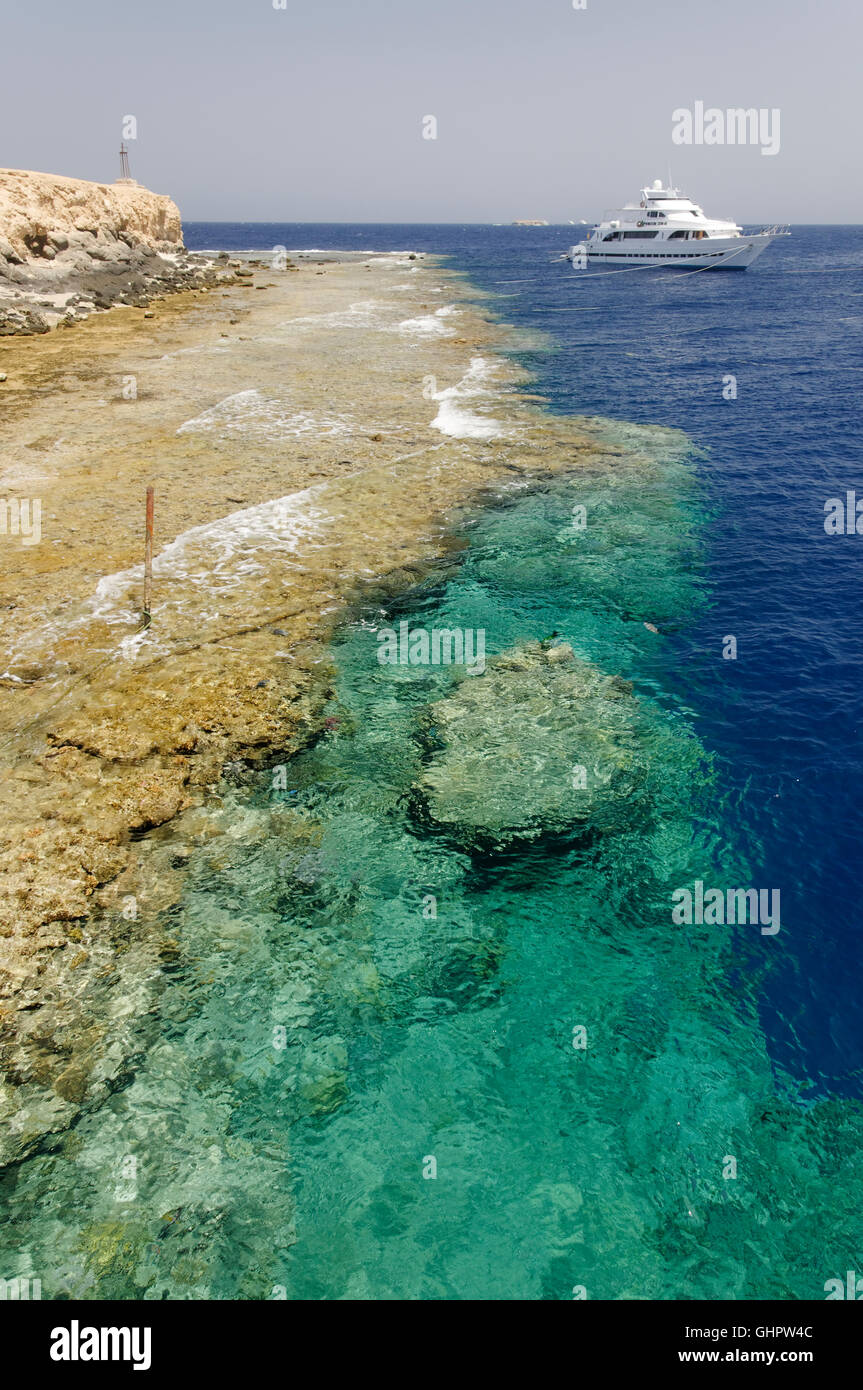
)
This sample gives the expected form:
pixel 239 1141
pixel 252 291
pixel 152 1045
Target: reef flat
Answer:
pixel 309 431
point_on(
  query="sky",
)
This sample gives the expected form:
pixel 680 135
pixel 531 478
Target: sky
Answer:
pixel 316 112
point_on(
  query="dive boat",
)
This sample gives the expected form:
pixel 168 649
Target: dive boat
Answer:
pixel 667 228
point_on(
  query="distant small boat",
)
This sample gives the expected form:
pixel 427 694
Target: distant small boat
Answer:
pixel 667 227
pixel 530 222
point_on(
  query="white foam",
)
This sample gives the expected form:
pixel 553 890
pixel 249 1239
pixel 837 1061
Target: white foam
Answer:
pixel 205 349
pixel 453 419
pixel 218 553
pixel 430 325
pixel 281 522
pixel 381 257
pixel 251 413
pixel 364 314
pixel 198 578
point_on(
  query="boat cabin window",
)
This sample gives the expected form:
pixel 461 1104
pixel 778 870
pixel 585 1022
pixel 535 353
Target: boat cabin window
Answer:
pixel 678 236
pixel 612 236
pixel 631 236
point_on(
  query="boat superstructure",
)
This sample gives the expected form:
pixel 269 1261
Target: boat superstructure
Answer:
pixel 667 228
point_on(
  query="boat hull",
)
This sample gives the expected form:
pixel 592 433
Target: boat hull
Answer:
pixel 714 253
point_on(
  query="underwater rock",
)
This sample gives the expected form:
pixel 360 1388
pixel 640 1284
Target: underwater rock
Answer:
pixel 542 742
pixel 322 1080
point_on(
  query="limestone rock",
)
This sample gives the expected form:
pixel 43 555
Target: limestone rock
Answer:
pixel 68 247
pixel 45 208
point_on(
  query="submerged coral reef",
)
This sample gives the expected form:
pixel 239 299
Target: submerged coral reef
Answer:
pixel 542 742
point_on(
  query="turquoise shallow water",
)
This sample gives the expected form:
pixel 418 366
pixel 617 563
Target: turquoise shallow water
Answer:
pixel 781 721
pixel 361 1080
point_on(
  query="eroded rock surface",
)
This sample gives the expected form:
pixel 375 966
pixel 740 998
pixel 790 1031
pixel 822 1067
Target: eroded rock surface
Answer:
pixel 69 247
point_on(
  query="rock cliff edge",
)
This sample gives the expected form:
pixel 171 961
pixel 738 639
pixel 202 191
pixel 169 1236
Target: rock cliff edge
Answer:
pixel 68 247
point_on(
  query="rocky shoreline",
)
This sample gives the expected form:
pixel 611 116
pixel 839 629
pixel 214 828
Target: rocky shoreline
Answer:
pixel 93 272
pixel 353 393
pixel 69 249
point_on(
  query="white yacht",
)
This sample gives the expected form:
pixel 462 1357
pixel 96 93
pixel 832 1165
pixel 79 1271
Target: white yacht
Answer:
pixel 667 228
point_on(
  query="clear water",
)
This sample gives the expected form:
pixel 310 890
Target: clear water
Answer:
pixel 322 1036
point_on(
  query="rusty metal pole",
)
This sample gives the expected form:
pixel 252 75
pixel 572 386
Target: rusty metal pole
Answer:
pixel 148 559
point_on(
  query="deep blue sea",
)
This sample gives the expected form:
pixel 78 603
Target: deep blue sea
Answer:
pixel 783 718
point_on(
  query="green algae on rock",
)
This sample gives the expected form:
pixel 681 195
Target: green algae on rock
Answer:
pixel 541 742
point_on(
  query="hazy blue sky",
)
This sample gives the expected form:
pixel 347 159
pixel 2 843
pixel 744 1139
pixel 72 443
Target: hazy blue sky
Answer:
pixel 314 113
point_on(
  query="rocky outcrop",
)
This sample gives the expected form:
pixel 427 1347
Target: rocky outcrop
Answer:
pixel 544 742
pixel 69 247
pixel 39 212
